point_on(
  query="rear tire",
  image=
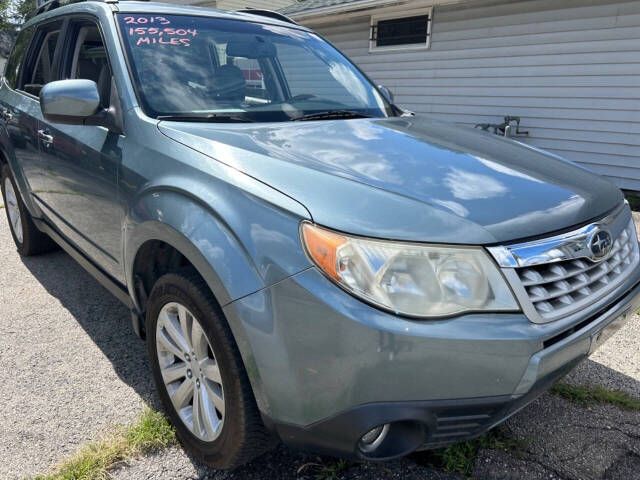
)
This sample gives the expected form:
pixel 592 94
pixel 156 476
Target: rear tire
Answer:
pixel 28 239
pixel 180 309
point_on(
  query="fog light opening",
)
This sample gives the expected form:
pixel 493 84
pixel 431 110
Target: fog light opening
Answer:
pixel 371 440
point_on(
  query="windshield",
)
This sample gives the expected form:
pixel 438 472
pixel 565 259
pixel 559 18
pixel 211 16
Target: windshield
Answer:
pixel 188 67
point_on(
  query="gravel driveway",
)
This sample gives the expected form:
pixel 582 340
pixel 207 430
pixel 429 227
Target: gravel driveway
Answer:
pixel 72 368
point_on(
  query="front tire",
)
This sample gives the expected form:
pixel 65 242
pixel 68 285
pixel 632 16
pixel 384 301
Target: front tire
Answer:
pixel 28 239
pixel 200 375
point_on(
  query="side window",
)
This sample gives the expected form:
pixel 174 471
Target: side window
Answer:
pixel 16 59
pixel 89 60
pixel 40 67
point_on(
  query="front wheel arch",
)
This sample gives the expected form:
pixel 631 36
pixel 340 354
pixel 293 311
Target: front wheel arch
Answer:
pixel 154 234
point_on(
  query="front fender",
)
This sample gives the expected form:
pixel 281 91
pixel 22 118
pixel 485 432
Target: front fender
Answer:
pixel 236 256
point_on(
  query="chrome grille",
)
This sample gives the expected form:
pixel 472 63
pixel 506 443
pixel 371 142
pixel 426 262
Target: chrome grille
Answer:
pixel 559 289
pixel 558 276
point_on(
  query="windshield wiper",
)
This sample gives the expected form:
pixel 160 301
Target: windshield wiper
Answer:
pixel 330 115
pixel 209 117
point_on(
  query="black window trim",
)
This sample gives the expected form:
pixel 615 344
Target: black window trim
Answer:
pixel 398 15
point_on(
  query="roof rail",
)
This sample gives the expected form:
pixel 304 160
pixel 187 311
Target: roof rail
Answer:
pixel 268 13
pixel 45 5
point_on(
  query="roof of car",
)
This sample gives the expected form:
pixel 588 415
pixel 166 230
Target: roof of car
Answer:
pixel 156 7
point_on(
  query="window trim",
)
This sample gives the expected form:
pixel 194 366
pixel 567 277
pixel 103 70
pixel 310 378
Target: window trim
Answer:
pixel 428 11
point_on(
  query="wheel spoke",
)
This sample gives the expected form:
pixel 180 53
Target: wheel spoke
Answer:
pixel 174 372
pixel 181 396
pixel 197 416
pixel 199 340
pixel 18 228
pixel 163 341
pixel 173 328
pixel 185 326
pixel 215 397
pixel 210 418
pixel 210 369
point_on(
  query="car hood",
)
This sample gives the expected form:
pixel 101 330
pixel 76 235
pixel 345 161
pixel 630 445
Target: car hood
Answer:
pixel 409 178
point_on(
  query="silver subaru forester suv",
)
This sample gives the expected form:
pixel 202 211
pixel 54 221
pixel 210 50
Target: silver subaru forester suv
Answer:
pixel 306 260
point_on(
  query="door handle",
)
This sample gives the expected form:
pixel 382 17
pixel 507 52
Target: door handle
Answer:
pixel 45 137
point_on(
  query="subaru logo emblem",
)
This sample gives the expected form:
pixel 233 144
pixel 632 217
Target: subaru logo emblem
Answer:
pixel 600 244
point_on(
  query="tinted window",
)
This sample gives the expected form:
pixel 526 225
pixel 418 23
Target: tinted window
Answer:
pixel 200 65
pixel 16 59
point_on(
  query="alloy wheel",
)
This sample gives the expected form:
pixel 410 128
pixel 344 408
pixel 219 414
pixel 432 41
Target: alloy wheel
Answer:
pixel 190 371
pixel 13 209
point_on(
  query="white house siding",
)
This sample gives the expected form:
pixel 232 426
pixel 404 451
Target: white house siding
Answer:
pixel 570 69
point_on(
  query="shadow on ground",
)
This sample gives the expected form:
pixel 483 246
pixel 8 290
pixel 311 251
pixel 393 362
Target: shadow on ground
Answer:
pixel 100 314
pixel 563 440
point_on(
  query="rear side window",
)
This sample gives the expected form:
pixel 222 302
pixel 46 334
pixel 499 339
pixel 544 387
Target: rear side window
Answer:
pixel 16 59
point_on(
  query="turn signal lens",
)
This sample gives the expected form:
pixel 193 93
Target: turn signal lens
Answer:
pixel 322 246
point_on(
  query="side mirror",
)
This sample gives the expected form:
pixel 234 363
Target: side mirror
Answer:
pixel 76 102
pixel 69 101
pixel 386 93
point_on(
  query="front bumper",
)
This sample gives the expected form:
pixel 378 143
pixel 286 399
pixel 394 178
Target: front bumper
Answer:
pixel 327 368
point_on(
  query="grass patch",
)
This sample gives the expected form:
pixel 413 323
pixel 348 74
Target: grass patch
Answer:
pixel 594 395
pixel 460 457
pixel 150 433
pixel 324 470
pixel 633 198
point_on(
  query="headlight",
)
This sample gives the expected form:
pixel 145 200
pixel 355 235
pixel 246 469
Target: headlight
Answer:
pixel 410 279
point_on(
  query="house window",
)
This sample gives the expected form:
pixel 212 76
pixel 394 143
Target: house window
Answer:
pixel 401 31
